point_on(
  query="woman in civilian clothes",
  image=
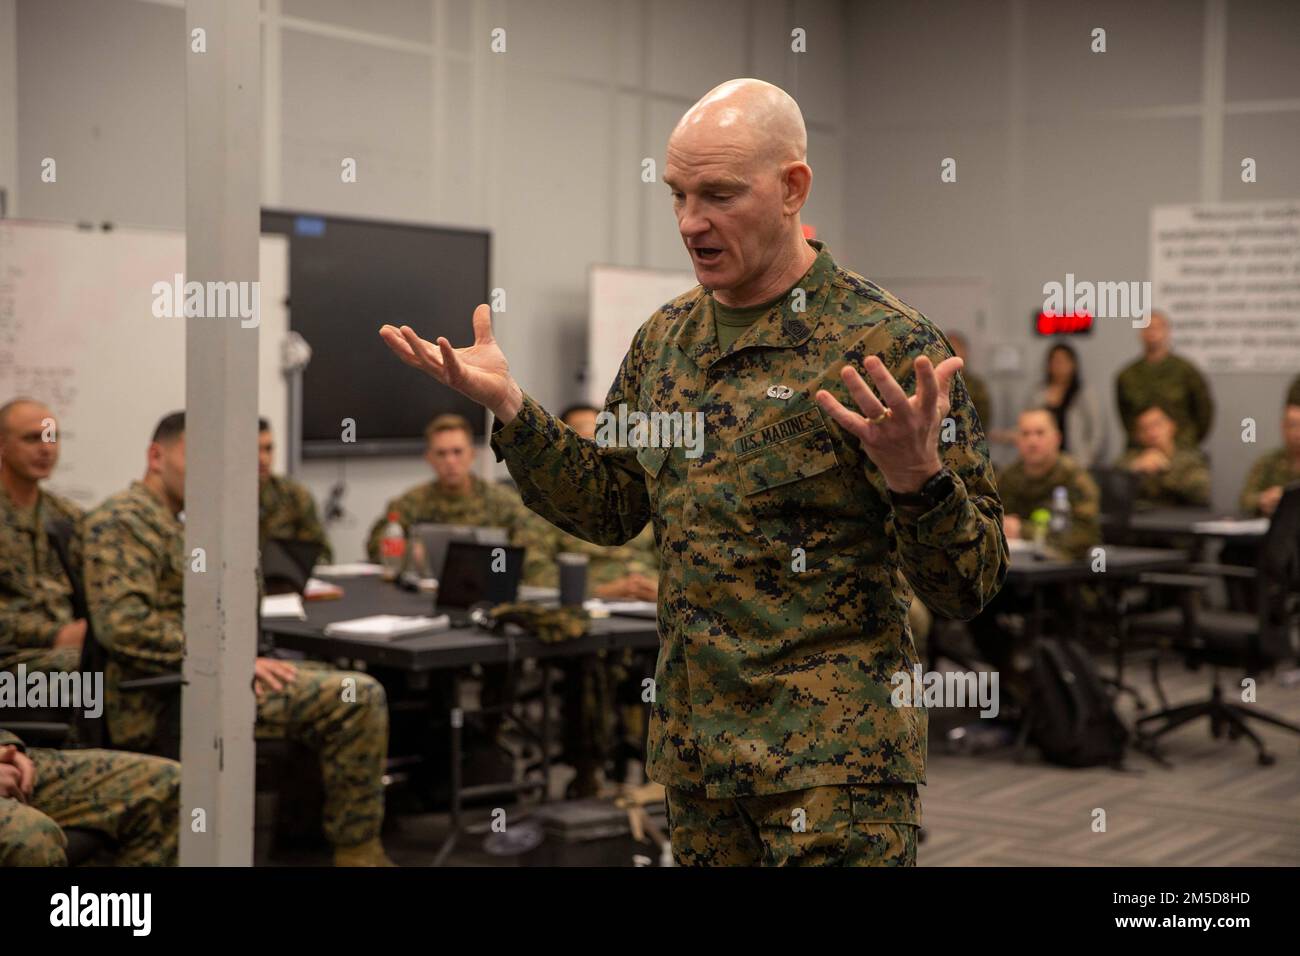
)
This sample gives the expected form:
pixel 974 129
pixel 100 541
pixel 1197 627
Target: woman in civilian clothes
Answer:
pixel 1073 404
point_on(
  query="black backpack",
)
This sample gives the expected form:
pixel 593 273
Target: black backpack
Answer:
pixel 1073 721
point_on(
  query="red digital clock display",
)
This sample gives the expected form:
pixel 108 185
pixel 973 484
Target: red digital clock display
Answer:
pixel 1073 323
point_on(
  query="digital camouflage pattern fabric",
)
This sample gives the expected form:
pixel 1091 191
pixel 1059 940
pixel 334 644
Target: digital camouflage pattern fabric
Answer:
pixel 1272 470
pixel 771 678
pixel 1177 386
pixel 862 825
pixel 1022 495
pixel 1185 483
pixel 286 511
pixel 35 594
pixel 483 506
pixel 132 799
pixel 134 575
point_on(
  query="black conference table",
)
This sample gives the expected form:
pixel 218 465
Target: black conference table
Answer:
pixel 453 651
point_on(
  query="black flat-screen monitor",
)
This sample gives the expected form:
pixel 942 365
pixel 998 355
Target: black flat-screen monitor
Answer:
pixel 347 277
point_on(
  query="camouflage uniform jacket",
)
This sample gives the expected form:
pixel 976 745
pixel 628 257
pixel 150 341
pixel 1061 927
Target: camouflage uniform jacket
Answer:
pixel 285 510
pixel 483 506
pixel 1177 386
pixel 1022 495
pixel 1272 470
pixel 134 571
pixel 35 594
pixel 784 569
pixel 1184 484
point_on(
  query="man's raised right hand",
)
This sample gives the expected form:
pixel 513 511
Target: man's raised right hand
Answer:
pixel 479 372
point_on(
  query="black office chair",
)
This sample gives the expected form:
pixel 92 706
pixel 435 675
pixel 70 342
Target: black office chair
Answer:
pixel 1254 642
pixel 1118 488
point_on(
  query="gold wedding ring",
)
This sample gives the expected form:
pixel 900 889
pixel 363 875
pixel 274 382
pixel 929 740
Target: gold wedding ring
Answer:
pixel 881 417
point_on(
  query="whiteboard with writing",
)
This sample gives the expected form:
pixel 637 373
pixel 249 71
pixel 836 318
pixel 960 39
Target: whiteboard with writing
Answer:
pixel 620 300
pixel 78 332
pixel 1228 276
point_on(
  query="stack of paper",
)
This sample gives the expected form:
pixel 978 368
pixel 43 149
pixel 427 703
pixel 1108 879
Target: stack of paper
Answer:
pixel 1232 526
pixel 621 607
pixel 318 590
pixel 386 625
pixel 359 569
pixel 283 605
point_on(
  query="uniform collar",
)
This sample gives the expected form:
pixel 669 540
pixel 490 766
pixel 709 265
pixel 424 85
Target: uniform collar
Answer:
pixel 696 334
pixel 26 518
pixel 140 491
pixel 475 488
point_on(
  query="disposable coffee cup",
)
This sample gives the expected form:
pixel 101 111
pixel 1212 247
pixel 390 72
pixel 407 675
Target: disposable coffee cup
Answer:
pixel 573 578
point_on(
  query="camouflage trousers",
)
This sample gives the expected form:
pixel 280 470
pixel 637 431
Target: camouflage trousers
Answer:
pixel 841 825
pixel 132 799
pixel 343 717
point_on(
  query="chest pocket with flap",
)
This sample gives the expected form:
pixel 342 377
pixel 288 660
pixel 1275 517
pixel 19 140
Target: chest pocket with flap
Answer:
pixel 791 484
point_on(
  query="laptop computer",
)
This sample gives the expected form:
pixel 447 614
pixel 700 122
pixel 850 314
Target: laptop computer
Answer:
pixel 433 538
pixel 286 564
pixel 477 574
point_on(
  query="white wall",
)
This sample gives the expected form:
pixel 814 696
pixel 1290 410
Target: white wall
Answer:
pixel 1060 155
pixel 542 145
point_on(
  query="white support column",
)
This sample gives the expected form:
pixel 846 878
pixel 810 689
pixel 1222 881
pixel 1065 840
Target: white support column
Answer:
pixel 9 105
pixel 1214 84
pixel 222 224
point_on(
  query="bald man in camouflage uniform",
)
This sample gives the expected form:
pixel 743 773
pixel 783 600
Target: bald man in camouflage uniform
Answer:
pixel 791 540
pixel 130 798
pixel 37 624
pixel 285 509
pixel 1028 484
pixel 1162 378
pixel 1025 486
pixel 1168 475
pixel 135 565
pixel 458 496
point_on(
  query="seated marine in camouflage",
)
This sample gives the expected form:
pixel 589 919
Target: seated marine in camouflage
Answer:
pixel 1280 467
pixel 37 625
pixel 1169 475
pixel 621 572
pixel 285 509
pixel 132 799
pixel 458 496
pixel 1028 483
pixel 1026 486
pixel 602 714
pixel 135 562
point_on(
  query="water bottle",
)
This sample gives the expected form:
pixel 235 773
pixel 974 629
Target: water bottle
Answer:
pixel 1060 510
pixel 392 548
